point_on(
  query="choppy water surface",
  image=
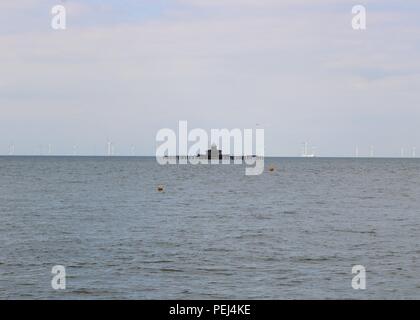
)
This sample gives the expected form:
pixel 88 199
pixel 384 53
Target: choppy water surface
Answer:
pixel 214 233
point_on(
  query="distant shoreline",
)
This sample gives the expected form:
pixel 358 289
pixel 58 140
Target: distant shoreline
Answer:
pixel 265 157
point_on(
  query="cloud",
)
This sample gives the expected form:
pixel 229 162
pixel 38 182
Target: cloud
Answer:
pixel 18 5
pixel 307 74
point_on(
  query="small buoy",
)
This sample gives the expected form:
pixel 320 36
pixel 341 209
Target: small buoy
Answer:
pixel 271 169
pixel 160 188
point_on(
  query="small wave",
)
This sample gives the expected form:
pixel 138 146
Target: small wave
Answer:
pixel 290 212
pixel 356 231
pixel 170 270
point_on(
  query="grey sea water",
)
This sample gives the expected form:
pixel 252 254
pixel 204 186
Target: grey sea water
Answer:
pixel 213 233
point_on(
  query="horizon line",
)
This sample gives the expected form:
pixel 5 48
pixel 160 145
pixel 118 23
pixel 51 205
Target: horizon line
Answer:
pixel 153 156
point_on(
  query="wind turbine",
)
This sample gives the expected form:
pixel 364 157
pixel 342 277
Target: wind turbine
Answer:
pixel 11 149
pixel 305 151
pixel 372 153
pixel 110 147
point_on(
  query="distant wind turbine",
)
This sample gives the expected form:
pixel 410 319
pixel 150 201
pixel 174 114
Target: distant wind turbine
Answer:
pixel 11 149
pixel 110 147
pixel 305 151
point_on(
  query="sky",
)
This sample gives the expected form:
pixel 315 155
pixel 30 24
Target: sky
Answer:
pixel 124 69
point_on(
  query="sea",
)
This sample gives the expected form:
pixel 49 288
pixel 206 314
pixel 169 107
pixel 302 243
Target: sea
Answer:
pixel 130 228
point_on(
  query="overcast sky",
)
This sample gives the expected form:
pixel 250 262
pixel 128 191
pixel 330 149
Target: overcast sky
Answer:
pixel 124 69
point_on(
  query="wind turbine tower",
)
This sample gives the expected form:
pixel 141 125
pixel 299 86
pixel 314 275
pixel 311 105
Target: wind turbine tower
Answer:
pixel 11 149
pixel 305 151
pixel 110 148
pixel 372 153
